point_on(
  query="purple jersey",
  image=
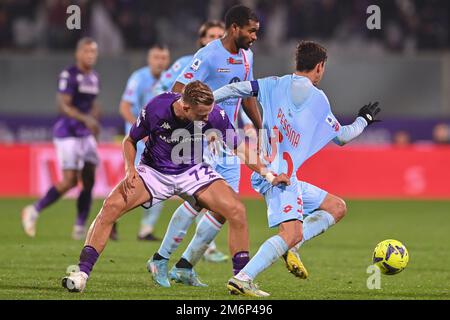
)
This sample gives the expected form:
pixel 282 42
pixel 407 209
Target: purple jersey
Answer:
pixel 83 88
pixel 165 132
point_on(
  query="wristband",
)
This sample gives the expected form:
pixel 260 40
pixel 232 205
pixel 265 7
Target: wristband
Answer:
pixel 269 177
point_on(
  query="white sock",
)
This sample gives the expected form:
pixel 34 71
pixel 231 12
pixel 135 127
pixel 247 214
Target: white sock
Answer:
pixel 181 220
pixel 207 230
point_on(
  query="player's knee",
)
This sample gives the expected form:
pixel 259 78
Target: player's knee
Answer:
pixel 340 209
pixel 236 213
pixel 292 232
pixel 68 183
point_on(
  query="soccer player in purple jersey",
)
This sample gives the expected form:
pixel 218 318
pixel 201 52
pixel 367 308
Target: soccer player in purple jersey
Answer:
pixel 75 134
pixel 172 124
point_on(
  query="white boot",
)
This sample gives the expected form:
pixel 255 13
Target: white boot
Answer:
pixel 75 282
pixel 29 219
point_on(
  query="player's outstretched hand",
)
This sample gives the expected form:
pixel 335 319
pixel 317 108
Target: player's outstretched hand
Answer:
pixel 369 112
pixel 281 179
pixel 129 183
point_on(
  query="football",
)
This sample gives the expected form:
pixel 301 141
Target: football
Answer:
pixel 390 256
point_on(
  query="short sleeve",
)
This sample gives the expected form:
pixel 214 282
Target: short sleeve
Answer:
pixel 67 83
pixel 197 69
pixel 141 128
pixel 131 93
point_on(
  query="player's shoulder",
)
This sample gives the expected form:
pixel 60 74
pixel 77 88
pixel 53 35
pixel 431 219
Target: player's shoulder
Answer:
pixel 140 73
pixel 181 63
pixel 218 115
pixel 208 51
pixel 160 104
pixel 69 72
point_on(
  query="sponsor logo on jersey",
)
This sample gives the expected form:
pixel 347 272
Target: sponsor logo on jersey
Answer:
pixel 188 75
pixel 232 60
pixel 196 64
pixel 223 70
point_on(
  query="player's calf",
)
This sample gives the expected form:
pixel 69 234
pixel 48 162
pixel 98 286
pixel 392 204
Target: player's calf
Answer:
pixel 291 232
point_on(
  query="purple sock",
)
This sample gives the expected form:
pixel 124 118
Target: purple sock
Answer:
pixel 84 206
pixel 88 258
pixel 51 196
pixel 240 259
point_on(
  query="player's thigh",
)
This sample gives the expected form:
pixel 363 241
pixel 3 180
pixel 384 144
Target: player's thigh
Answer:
pixel 335 206
pixel 220 198
pixel 120 202
pixel 312 196
pixel 68 152
pixel 284 203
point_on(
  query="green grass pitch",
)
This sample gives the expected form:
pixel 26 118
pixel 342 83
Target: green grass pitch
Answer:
pixel 337 260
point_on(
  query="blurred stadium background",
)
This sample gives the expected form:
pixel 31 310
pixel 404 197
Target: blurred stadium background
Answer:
pixel 405 66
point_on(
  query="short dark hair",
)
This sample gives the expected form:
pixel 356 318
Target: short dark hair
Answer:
pixel 83 41
pixel 308 55
pixel 196 93
pixel 159 45
pixel 208 25
pixel 240 15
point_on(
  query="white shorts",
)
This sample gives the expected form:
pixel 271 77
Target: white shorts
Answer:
pixel 74 152
pixel 163 186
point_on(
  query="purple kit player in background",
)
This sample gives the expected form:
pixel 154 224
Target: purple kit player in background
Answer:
pixel 74 137
pixel 172 164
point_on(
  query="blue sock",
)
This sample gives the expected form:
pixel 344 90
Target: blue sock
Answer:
pixel 315 224
pixel 150 218
pixel 181 220
pixel 269 252
pixel 207 230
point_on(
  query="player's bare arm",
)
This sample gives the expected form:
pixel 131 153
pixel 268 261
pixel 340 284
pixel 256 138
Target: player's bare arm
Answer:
pixel 65 106
pixel 125 109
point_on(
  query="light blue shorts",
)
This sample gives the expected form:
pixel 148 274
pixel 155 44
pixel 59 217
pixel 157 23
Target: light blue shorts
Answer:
pixel 294 202
pixel 230 171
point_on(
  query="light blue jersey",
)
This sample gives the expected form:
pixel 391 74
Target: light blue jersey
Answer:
pixel 217 67
pixel 169 77
pixel 138 92
pixel 294 132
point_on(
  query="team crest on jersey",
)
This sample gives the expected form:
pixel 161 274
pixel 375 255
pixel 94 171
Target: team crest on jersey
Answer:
pixel 231 60
pixel 196 64
pixel 223 114
pixel 166 126
pixel 176 66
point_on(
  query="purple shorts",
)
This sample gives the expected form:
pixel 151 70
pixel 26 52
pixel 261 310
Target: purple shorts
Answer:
pixel 164 186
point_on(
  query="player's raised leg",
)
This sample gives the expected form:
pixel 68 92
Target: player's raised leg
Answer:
pixel 128 194
pixel 285 210
pixel 322 211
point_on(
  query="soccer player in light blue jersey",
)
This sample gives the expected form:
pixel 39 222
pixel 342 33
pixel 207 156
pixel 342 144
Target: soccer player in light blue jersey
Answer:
pixel 138 92
pixel 208 31
pixel 299 122
pixel 221 62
